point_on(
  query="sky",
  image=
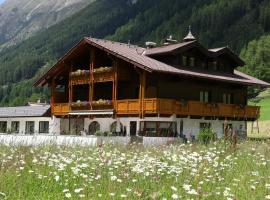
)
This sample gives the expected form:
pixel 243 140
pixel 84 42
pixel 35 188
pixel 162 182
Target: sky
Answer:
pixel 1 1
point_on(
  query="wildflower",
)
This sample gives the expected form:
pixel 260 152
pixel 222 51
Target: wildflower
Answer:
pixel 267 197
pixel 113 178
pixel 81 195
pixel 192 191
pixel 2 194
pixel 173 188
pixel 175 196
pixel 68 195
pixel 186 187
pixel 123 196
pixel 112 194
pixel 78 190
pixel 56 178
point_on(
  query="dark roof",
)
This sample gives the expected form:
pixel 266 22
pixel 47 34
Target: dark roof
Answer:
pixel 163 50
pixel 138 57
pixel 24 111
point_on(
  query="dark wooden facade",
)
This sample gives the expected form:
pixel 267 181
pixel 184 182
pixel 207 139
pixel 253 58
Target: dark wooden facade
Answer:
pixel 94 80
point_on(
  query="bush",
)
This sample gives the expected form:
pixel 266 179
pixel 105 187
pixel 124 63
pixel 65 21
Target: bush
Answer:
pixel 99 133
pixel 206 135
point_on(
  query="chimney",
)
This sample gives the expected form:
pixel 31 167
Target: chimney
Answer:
pixel 170 40
pixel 150 45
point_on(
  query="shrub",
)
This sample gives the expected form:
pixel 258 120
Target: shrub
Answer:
pixel 99 133
pixel 206 135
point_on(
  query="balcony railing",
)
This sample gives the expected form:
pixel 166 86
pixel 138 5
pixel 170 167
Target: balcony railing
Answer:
pixel 168 107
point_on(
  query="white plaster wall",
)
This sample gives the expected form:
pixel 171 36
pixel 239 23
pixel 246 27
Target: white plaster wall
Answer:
pixel 190 126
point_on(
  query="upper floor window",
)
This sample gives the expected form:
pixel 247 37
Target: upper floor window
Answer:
pixel 204 96
pixel 184 61
pixel 192 62
pixel 215 65
pixel 227 98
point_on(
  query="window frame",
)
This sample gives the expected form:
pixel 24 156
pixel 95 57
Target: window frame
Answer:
pixel 39 127
pixel 26 131
pixel 17 126
pixel 3 126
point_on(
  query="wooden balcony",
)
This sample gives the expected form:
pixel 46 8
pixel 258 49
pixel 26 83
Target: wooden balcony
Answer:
pixel 106 76
pixel 168 107
pixel 191 108
pixel 80 79
pixel 60 109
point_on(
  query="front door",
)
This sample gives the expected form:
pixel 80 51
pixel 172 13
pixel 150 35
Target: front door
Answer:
pixel 133 128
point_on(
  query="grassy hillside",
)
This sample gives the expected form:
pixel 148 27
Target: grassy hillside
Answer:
pixel 263 100
pixel 215 23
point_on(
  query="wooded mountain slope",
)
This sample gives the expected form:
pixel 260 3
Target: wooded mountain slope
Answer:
pixel 214 22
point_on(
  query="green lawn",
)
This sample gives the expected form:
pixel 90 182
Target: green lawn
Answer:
pixel 265 109
pixel 264 121
pixel 190 171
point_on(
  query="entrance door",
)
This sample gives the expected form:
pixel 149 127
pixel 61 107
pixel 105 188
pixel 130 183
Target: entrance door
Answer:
pixel 133 128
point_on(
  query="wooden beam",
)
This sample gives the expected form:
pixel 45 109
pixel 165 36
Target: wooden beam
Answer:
pixel 92 65
pixel 115 86
pixel 142 92
pixel 52 94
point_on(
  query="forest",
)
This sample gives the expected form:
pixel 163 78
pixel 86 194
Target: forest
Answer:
pixel 243 25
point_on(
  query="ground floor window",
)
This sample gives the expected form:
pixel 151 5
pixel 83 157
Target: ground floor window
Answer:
pixel 158 129
pixel 43 127
pixel 15 127
pixel 117 129
pixel 205 125
pixel 29 127
pixel 3 127
pixel 93 128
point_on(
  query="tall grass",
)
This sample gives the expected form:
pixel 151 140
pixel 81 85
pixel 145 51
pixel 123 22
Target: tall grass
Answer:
pixel 189 171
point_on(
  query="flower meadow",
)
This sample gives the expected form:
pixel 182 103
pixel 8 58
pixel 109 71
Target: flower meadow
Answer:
pixel 183 171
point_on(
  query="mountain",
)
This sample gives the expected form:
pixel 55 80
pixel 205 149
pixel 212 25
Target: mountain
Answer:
pixel 214 23
pixel 21 19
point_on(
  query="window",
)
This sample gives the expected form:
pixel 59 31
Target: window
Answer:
pixel 192 62
pixel 3 127
pixel 227 98
pixel 229 128
pixel 204 96
pixel 117 128
pixel 93 128
pixel 15 127
pixel 205 125
pixel 215 66
pixel 29 127
pixel 44 127
pixel 158 129
pixel 184 60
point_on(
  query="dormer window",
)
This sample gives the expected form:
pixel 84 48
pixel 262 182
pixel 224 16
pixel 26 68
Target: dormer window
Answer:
pixel 184 60
pixel 192 62
pixel 215 65
pixel 227 98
